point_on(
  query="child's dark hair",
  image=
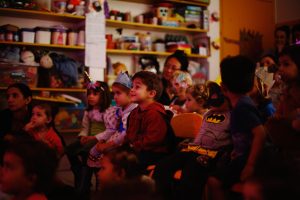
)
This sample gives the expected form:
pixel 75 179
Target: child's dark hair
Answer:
pixel 237 74
pixel 122 87
pixel 294 53
pixel 286 30
pixel 124 159
pixel 198 92
pixel 105 96
pixel 24 89
pixel 151 80
pixel 181 57
pixel 39 161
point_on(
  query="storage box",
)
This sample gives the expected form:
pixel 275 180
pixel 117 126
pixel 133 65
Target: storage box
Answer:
pixel 17 73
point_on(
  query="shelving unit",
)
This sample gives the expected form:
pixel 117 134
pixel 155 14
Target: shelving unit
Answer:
pixel 43 45
pixel 78 90
pixel 40 18
pixel 149 27
pixel 33 14
pixel 135 52
pixel 192 2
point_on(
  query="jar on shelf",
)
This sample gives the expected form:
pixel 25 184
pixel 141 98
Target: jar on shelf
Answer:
pixel 72 37
pixel 27 35
pixel 42 35
pixel 9 36
pixel 59 35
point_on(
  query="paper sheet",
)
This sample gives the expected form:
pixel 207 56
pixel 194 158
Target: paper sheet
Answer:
pixel 95 43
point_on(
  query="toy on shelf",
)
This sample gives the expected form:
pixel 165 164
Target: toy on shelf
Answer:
pixel 118 68
pixel 58 71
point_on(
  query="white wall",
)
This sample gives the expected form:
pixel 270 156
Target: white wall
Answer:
pixel 287 11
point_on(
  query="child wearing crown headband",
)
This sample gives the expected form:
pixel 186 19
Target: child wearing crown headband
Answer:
pixel 99 118
pixel 121 91
pixel 180 82
pixel 213 136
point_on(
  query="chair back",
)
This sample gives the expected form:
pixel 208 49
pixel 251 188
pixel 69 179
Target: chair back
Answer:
pixel 186 125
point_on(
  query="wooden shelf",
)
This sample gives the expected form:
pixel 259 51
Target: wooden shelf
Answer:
pixel 40 14
pixel 43 45
pixel 151 27
pixel 54 89
pixel 136 52
pixel 192 2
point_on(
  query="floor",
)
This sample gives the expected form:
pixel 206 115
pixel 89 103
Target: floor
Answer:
pixel 64 173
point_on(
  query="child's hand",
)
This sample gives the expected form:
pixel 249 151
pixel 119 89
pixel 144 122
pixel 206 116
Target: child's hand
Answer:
pixel 29 127
pixel 101 147
pixel 85 139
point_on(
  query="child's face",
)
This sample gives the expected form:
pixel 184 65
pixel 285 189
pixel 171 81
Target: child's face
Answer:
pixel 170 67
pixel 39 118
pixel 16 100
pixel 139 91
pixel 252 191
pixel 287 69
pixel 179 87
pixel 121 97
pixel 107 175
pixel 93 98
pixel 14 179
pixel 191 104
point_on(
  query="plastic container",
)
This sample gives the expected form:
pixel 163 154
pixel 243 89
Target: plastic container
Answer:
pixel 59 36
pixel 81 38
pixel 17 73
pixel 72 37
pixel 42 35
pixel 27 35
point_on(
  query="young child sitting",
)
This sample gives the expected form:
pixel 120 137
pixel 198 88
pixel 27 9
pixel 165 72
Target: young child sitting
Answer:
pixel 108 140
pixel 180 82
pixel 28 170
pixel 98 117
pixel 195 165
pixel 119 171
pixel 147 127
pixel 283 127
pixel 41 128
pixel 247 132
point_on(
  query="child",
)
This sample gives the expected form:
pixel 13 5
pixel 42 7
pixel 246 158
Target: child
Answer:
pixel 147 129
pixel 28 170
pixel 120 170
pixel 196 97
pixel 247 132
pixel 108 140
pixel 41 128
pixel 180 82
pixel 281 128
pixel 98 118
pixel 213 135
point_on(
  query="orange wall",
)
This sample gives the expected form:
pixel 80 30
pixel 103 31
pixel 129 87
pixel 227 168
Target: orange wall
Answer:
pixel 256 15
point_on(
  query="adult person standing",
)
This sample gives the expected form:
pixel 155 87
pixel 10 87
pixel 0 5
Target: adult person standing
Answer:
pixel 176 61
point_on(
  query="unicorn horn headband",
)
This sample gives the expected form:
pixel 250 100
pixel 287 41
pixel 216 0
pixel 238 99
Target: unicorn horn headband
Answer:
pixel 94 85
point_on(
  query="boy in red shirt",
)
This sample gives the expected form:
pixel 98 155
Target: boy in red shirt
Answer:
pixel 147 130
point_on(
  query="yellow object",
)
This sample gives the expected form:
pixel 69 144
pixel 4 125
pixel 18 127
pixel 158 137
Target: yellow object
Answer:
pixel 200 150
pixel 218 80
